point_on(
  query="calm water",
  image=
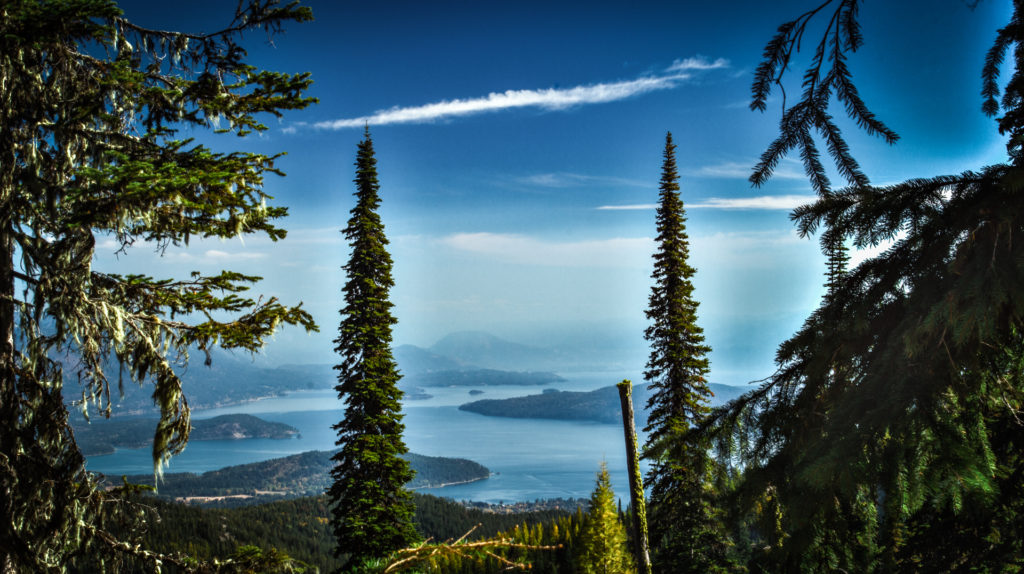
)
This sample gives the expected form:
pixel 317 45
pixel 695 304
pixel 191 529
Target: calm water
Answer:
pixel 529 459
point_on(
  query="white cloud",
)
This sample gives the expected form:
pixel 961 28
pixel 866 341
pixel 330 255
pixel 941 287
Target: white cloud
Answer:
pixel 546 99
pixel 631 207
pixel 788 169
pixel 768 202
pixel 522 249
pixel 731 249
pixel 697 63
pixel 564 180
pixel 763 202
pixel 218 255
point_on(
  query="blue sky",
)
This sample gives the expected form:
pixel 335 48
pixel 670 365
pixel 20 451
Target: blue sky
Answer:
pixel 519 148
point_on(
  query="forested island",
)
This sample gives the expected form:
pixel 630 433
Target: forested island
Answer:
pixel 600 405
pixel 303 474
pixel 104 436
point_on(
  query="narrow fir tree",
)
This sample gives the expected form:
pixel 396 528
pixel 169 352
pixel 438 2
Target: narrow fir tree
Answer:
pixel 603 547
pixel 372 511
pixel 681 518
pixel 678 365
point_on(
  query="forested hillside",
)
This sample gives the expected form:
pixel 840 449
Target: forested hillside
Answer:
pixel 600 405
pixel 304 474
pixel 300 527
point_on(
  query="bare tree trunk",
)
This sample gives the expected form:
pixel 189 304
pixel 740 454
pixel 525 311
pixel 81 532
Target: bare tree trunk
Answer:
pixel 636 481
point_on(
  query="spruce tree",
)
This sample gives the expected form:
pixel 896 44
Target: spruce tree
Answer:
pixel 682 526
pixel 92 107
pixel 372 510
pixel 678 363
pixel 602 541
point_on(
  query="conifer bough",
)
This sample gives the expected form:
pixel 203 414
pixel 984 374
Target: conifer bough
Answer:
pixel 91 105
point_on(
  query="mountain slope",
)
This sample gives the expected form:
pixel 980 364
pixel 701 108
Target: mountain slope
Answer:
pixel 487 351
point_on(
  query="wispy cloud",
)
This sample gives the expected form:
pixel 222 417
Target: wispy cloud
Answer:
pixel 742 170
pixel 563 180
pixel 522 249
pixel 697 63
pixel 732 250
pixel 629 207
pixel 545 99
pixel 763 202
pixel 218 255
pixel 769 202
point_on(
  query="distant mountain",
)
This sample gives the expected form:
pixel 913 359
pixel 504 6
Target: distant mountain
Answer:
pixel 103 436
pixel 303 474
pixel 413 360
pixel 483 378
pixel 230 379
pixel 491 352
pixel 601 405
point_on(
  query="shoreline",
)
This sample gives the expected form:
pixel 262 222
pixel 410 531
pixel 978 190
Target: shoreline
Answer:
pixel 456 483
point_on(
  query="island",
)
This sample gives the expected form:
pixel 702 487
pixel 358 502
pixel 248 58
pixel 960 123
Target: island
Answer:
pixel 104 436
pixel 601 405
pixel 303 474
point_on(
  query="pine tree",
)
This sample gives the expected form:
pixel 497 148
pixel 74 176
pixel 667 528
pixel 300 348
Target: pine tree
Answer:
pixel 683 532
pixel 92 105
pixel 602 541
pixel 373 512
pixel 678 364
pixel 884 442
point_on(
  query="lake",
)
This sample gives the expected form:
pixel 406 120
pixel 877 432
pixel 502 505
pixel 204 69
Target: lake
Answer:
pixel 529 458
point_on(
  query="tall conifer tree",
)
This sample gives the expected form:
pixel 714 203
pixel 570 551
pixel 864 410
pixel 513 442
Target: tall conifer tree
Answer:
pixel 678 365
pixel 372 510
pixel 682 535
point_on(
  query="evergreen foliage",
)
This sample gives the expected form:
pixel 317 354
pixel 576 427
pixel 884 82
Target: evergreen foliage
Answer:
pixel 678 365
pixel 373 512
pixel 602 547
pixel 684 534
pixel 888 440
pixel 828 75
pixel 301 529
pixel 92 106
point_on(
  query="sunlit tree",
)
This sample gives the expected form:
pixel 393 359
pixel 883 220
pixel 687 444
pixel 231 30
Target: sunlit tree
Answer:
pixel 682 529
pixel 373 512
pixel 602 540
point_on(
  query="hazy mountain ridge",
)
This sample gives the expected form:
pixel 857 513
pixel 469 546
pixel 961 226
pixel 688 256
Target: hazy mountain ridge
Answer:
pixel 601 405
pixel 488 351
pixel 484 378
pixel 232 379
